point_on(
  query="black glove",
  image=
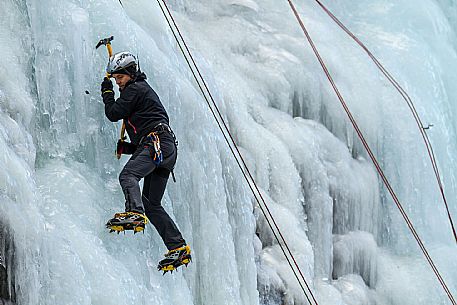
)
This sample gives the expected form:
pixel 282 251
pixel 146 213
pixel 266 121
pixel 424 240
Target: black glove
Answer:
pixel 107 85
pixel 125 148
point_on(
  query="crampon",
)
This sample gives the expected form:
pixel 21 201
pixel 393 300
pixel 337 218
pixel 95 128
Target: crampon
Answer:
pixel 174 259
pixel 124 221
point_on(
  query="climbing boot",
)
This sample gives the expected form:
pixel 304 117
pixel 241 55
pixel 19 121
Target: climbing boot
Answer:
pixel 175 258
pixel 127 221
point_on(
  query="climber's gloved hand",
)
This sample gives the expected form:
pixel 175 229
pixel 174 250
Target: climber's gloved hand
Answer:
pixel 107 85
pixel 125 148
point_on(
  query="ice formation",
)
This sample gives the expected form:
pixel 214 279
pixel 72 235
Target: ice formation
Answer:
pixel 58 183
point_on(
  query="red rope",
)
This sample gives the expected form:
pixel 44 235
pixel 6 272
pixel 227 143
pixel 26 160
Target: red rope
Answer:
pixel 238 157
pixel 410 103
pixel 373 158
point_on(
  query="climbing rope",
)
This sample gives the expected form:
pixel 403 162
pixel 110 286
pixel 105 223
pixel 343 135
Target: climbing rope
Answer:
pixel 411 106
pixel 372 156
pixel 237 154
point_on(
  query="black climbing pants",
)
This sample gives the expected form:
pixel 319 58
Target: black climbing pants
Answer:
pixel 140 166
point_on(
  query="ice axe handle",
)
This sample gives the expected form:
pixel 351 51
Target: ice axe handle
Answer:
pixel 122 138
pixel 110 53
pixel 110 50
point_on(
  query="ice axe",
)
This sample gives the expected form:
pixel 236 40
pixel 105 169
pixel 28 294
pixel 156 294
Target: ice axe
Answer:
pixel 107 42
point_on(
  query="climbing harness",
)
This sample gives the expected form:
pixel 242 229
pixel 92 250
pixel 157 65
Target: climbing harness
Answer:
pixel 156 152
pixel 372 156
pixel 159 128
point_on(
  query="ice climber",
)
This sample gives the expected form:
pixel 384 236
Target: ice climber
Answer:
pixel 154 150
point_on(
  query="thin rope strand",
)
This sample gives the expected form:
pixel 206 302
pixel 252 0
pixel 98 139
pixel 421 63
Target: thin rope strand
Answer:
pixel 265 209
pixel 411 106
pixel 372 157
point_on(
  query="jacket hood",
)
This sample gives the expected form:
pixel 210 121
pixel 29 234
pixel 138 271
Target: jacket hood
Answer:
pixel 140 76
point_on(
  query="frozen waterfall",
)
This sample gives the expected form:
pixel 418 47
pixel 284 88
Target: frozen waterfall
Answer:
pixel 59 176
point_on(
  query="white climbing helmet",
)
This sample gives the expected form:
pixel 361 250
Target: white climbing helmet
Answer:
pixel 122 63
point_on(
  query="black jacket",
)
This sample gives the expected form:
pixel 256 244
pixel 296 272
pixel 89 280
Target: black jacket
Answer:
pixel 138 105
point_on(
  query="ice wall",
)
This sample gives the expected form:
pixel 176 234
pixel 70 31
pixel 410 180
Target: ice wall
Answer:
pixel 260 46
pixel 66 255
pixel 59 184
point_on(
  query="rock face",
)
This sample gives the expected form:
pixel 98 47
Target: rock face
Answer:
pixel 7 294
